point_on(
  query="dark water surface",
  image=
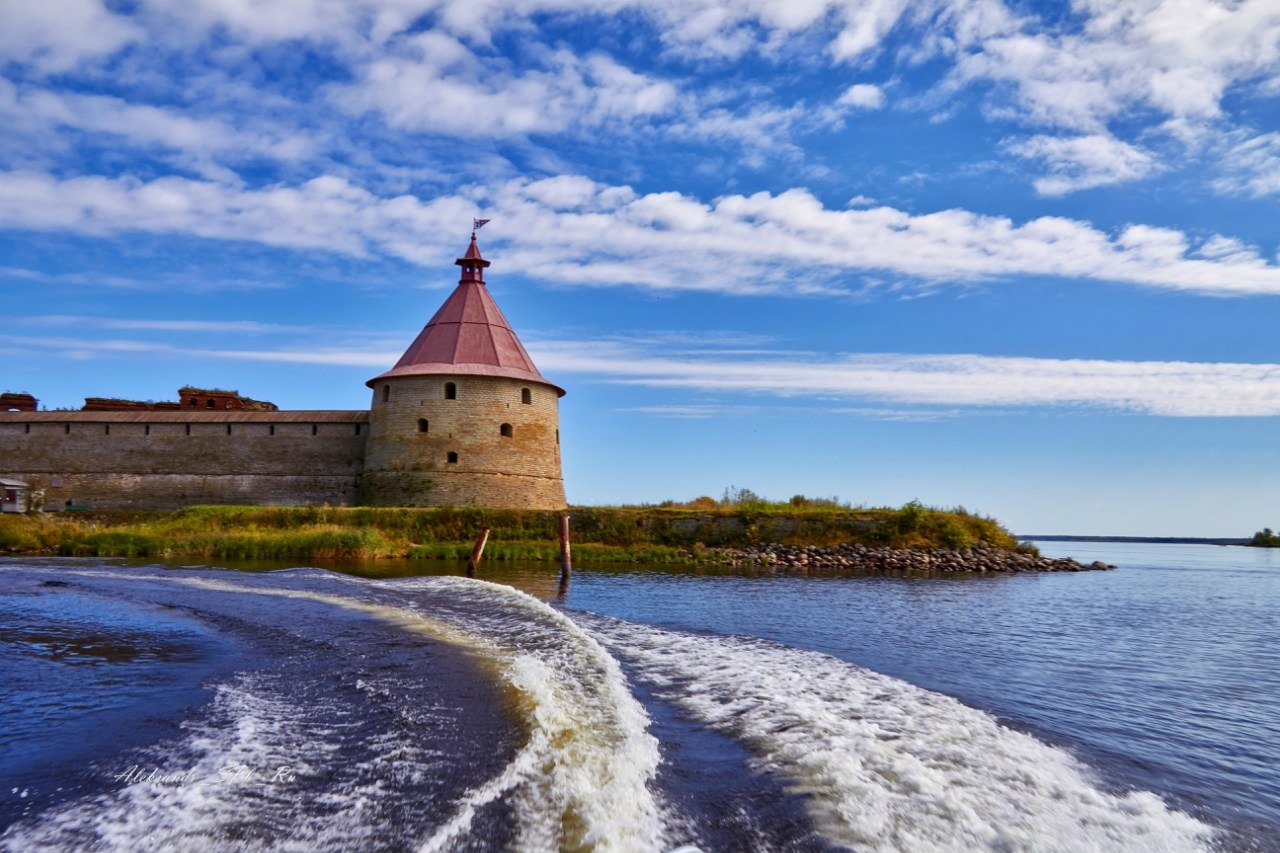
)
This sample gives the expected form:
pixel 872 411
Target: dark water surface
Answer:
pixel 149 708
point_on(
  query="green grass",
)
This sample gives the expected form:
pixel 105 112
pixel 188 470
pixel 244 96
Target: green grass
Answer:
pixel 668 533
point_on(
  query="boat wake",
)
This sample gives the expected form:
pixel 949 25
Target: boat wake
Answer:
pixel 443 714
pixel 887 766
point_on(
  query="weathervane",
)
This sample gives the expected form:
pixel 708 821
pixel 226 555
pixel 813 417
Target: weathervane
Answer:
pixel 477 224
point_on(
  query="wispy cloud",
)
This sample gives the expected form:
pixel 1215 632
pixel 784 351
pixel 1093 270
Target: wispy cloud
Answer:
pixel 1249 164
pixel 55 37
pixel 97 348
pixel 206 143
pixel 1082 162
pixel 113 324
pixel 877 385
pixel 974 382
pixel 1159 67
pixel 474 99
pixel 574 230
pixel 696 411
pixel 1090 82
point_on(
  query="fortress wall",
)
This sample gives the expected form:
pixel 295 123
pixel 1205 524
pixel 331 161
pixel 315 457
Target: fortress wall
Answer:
pixel 160 461
pixel 406 466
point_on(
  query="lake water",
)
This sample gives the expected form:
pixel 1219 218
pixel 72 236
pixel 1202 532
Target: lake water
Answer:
pixel 161 708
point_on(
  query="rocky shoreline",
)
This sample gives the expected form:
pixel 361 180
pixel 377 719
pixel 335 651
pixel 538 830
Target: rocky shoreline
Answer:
pixel 983 558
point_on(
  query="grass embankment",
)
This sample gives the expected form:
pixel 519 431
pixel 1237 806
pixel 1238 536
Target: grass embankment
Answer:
pixel 667 533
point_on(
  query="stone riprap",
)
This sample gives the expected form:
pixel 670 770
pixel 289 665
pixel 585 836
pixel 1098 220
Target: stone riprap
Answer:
pixel 808 559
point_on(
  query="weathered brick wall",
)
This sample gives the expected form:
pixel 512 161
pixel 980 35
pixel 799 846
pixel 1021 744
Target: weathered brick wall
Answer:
pixel 407 466
pixel 165 460
pixel 157 462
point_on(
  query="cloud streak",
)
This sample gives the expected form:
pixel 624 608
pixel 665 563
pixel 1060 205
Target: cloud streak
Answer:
pixel 859 384
pixel 973 382
pixel 574 230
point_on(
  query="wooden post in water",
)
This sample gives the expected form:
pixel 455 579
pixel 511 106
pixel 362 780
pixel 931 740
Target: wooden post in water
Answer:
pixel 477 552
pixel 566 563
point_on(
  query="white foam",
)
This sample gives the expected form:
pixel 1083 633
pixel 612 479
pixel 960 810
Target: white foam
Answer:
pixel 210 791
pixel 887 766
pixel 582 778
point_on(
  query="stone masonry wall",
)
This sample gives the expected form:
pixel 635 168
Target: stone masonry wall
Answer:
pixel 165 464
pixel 414 428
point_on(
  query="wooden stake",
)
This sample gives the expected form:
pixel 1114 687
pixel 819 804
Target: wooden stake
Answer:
pixel 477 552
pixel 566 563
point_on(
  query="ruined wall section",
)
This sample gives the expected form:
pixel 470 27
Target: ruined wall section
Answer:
pixel 167 460
pixel 415 426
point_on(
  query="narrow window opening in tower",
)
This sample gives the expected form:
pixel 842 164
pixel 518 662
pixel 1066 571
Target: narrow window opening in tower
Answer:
pixel 272 429
pixel 423 426
pixel 386 393
pixel 228 429
pixel 315 429
pixel 450 391
pixel 106 429
pixel 526 396
pixel 452 457
pixel 188 429
pixel 68 427
pixel 358 429
pixel 146 430
pixel 28 429
pixel 506 431
pixel 557 436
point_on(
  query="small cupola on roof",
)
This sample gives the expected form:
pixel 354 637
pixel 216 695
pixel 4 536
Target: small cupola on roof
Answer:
pixel 468 335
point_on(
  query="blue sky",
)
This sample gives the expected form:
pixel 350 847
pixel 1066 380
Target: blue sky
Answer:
pixel 1012 256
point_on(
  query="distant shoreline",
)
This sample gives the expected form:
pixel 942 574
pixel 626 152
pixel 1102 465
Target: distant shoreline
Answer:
pixel 1157 540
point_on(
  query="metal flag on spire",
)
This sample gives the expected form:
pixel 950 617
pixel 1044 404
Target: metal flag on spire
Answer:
pixel 477 224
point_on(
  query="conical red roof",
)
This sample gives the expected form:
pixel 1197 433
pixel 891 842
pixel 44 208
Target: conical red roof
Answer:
pixel 468 335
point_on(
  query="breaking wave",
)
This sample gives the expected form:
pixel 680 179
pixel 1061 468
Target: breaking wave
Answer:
pixel 886 766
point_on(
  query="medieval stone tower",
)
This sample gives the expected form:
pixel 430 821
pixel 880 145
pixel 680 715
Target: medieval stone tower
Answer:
pixel 464 418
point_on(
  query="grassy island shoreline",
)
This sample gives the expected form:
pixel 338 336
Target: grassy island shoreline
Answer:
pixel 696 532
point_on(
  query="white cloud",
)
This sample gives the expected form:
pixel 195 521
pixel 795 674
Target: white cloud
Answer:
pixel 213 326
pixel 878 385
pixel 56 35
pixel 1171 389
pixel 576 231
pixel 1157 66
pixel 1083 162
pixel 353 25
pixel 696 411
pixel 1177 57
pixel 41 113
pixel 433 83
pixel 1250 164
pixel 80 348
pixel 862 96
pixel 1105 75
